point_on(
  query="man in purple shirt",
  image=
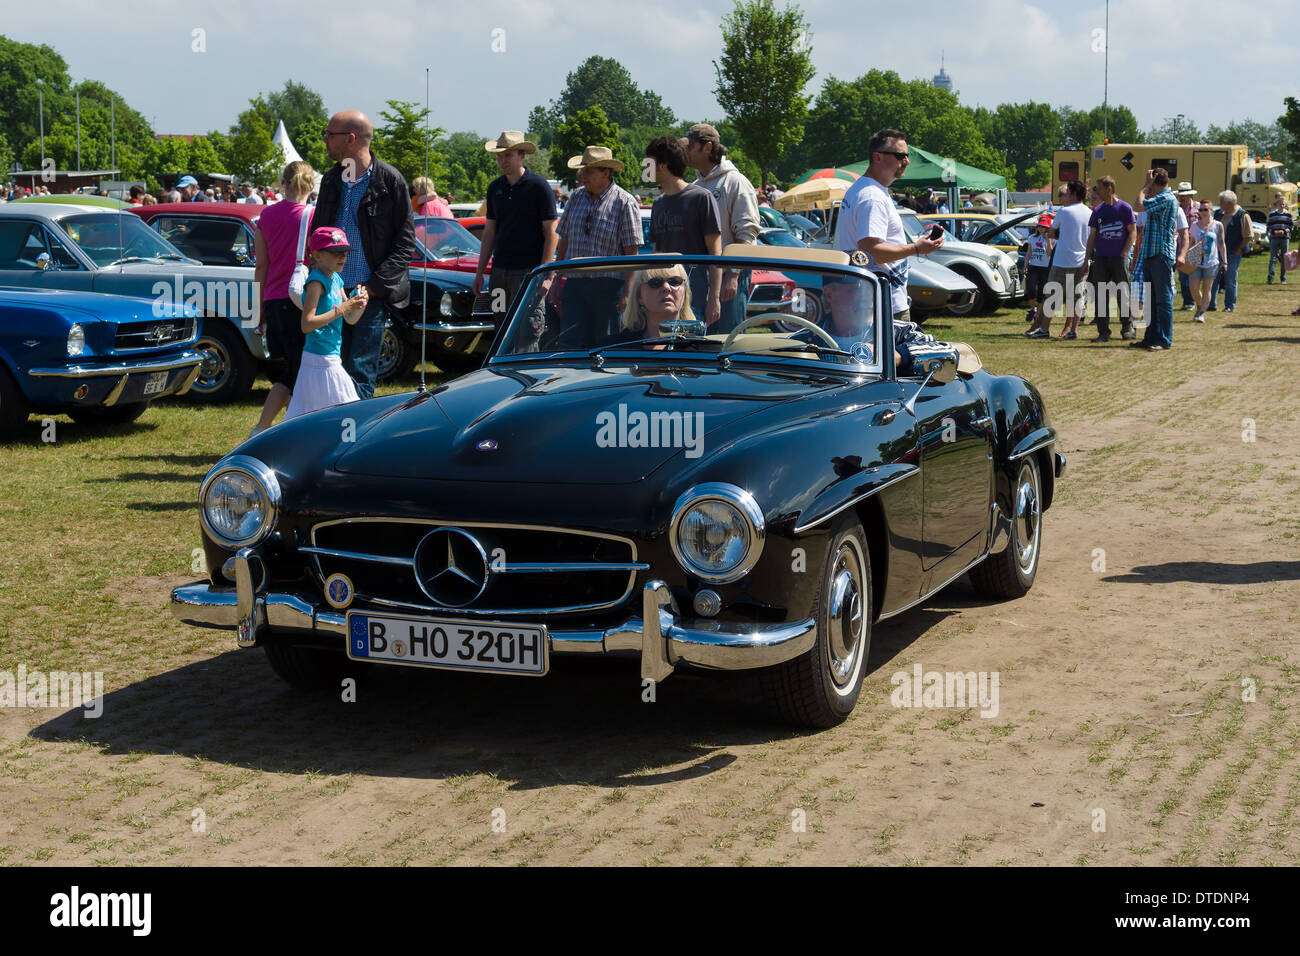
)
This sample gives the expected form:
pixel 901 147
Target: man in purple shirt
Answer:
pixel 1111 229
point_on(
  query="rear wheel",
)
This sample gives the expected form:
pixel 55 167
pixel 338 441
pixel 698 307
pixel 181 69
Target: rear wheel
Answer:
pixel 396 356
pixel 311 668
pixel 228 367
pixel 113 415
pixel 1011 573
pixel 821 687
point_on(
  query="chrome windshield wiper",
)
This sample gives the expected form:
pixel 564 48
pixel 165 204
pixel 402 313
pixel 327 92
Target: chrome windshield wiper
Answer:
pixel 663 339
pixel 116 262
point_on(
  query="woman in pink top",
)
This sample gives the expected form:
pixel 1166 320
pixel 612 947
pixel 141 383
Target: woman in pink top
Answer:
pixel 276 250
pixel 425 201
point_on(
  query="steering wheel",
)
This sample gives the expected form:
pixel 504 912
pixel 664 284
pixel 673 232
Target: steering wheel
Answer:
pixel 784 317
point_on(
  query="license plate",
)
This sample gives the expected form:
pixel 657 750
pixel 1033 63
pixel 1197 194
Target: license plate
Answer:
pixel 448 644
pixel 155 383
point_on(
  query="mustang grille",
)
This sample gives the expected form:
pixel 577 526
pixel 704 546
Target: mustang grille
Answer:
pixel 522 569
pixel 152 334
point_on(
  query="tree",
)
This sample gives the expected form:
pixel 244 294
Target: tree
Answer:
pixel 1175 129
pixel 590 127
pixel 1290 120
pixel 1082 129
pixel 1025 133
pixel 469 168
pixel 303 112
pixel 21 65
pixel 766 63
pixel 250 154
pixel 848 112
pixel 403 141
pixel 604 82
pixel 1273 141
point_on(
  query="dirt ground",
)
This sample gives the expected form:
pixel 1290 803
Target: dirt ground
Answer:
pixel 1167 593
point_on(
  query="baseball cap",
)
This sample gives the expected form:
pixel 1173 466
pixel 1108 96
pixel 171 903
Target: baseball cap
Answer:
pixel 704 132
pixel 186 181
pixel 328 238
pixel 1045 219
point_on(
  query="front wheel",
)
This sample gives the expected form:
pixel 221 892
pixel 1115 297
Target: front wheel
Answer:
pixel 311 668
pixel 976 305
pixel 228 368
pixel 820 688
pixel 396 356
pixel 14 410
pixel 1011 573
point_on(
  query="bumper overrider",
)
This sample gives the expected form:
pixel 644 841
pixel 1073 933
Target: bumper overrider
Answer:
pixel 660 634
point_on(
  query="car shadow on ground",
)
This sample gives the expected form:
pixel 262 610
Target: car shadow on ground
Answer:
pixel 1210 572
pixel 590 721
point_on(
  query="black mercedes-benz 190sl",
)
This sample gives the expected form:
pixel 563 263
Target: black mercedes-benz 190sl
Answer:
pixel 618 479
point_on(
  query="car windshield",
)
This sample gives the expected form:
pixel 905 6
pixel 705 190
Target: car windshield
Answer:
pixel 915 228
pixel 1276 175
pixel 803 313
pixel 107 237
pixel 442 238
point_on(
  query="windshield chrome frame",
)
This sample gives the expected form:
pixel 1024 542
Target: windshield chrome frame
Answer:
pixel 882 367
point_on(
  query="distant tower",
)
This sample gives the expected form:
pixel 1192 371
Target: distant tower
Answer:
pixel 941 79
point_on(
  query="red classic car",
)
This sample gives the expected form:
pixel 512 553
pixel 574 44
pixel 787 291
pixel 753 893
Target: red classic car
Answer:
pixel 215 233
pixel 446 244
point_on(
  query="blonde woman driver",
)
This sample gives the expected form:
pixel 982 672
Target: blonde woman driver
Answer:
pixel 657 296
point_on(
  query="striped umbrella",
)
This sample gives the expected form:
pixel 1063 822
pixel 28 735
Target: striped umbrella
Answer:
pixel 829 172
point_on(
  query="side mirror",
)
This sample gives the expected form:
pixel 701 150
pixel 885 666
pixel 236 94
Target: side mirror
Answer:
pixel 44 262
pixel 940 369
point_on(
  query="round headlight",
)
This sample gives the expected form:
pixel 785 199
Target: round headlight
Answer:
pixel 717 532
pixel 239 501
pixel 76 340
pixel 445 306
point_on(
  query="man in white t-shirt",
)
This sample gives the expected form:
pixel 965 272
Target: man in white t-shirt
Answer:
pixel 1069 263
pixel 869 222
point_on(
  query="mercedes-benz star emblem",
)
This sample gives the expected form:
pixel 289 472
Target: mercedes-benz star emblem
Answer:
pixel 451 567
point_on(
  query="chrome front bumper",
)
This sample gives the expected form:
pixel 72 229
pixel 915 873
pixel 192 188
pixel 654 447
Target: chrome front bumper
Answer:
pixel 660 635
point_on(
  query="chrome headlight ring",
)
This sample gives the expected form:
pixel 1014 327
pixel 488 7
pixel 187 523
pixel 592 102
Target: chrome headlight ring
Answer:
pixel 269 498
pixel 743 503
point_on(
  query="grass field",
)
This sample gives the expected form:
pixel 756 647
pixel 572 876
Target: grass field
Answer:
pixel 1123 688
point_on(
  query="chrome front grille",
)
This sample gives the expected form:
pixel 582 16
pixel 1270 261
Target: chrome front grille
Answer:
pixel 525 569
pixel 133 336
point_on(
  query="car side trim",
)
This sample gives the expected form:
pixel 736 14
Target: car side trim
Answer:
pixel 183 360
pixel 886 474
pixel 1040 438
pixel 933 591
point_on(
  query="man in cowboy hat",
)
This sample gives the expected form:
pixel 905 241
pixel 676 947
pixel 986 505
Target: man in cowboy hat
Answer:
pixel 601 219
pixel 1186 216
pixel 520 230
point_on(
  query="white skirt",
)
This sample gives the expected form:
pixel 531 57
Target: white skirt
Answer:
pixel 322 382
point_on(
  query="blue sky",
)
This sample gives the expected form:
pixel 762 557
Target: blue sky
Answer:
pixel 491 62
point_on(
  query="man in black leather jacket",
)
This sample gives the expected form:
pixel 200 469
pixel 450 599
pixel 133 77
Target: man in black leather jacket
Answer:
pixel 369 201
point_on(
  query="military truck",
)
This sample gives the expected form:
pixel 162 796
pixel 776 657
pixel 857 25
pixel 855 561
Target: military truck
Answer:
pixel 1210 169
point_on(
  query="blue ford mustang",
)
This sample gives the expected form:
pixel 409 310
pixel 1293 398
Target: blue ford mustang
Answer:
pixel 96 357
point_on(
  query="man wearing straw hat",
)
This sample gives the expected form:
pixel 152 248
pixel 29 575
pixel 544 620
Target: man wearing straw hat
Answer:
pixel 601 219
pixel 520 230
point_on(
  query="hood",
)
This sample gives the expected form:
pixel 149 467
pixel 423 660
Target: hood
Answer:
pixel 443 278
pixel 562 425
pixel 96 306
pixel 923 271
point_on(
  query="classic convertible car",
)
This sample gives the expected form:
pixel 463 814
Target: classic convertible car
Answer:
pixel 625 483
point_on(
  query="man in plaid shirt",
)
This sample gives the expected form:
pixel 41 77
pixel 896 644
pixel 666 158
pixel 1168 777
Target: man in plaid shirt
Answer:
pixel 1160 250
pixel 601 219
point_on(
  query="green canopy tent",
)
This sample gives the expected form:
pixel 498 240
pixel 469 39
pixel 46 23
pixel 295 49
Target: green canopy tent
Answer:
pixel 928 171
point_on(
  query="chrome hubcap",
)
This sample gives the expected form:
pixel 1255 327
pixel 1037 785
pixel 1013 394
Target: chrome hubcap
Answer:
pixel 387 351
pixel 214 366
pixel 847 622
pixel 1027 520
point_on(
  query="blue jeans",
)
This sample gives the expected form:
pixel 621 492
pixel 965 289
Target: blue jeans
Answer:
pixel 733 311
pixel 1160 314
pixel 361 344
pixel 1227 280
pixel 1276 253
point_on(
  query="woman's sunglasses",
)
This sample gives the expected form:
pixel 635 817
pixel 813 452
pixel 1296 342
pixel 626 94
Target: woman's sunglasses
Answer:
pixel 675 282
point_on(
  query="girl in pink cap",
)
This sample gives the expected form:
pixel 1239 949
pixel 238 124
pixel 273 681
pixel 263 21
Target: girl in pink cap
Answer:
pixel 322 381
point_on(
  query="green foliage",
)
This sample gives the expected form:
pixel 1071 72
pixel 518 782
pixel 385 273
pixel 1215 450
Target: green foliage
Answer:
pixel 21 64
pixel 606 83
pixel 1025 134
pixel 591 127
pixel 766 63
pixel 469 168
pixel 1274 141
pixel 403 141
pixel 250 154
pixel 1175 129
pixel 1081 129
pixel 303 112
pixel 848 112
pixel 1290 120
